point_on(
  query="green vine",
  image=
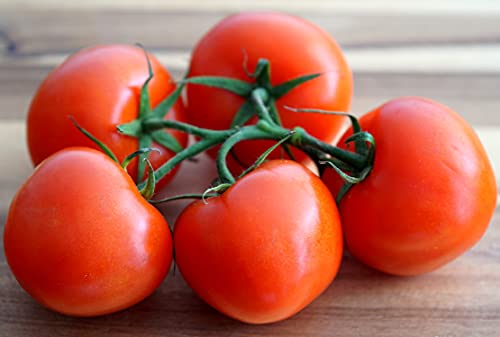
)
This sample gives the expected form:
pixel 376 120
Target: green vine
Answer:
pixel 260 101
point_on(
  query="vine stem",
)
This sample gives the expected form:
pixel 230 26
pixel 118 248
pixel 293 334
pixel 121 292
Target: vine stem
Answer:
pixel 264 129
pixel 302 138
pixel 189 152
pixel 245 133
pixel 154 124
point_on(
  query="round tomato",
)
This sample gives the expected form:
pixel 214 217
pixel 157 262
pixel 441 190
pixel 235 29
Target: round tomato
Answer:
pixel 100 87
pixel 294 48
pixel 265 248
pixel 431 193
pixel 81 239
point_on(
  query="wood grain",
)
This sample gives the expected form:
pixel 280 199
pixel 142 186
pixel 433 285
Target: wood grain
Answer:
pixel 35 32
pixel 447 50
pixel 474 96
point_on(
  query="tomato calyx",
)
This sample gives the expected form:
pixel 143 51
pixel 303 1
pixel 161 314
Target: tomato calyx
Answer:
pixel 146 112
pixel 258 92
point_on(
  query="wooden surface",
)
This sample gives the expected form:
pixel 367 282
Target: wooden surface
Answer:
pixel 446 50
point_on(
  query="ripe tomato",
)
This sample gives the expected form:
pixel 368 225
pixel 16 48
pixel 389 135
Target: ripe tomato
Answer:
pixel 81 239
pixel 266 247
pixel 294 48
pixel 100 88
pixel 430 195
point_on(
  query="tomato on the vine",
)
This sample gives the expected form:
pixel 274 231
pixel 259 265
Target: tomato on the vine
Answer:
pixel 265 248
pixel 294 48
pixel 81 239
pixel 100 88
pixel 431 193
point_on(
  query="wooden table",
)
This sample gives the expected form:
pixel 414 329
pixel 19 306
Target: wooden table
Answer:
pixel 447 50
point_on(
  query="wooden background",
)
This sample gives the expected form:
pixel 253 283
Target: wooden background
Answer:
pixel 446 50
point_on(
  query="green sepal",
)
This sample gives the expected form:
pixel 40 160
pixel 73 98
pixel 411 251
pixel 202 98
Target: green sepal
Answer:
pixel 283 88
pixel 164 107
pixel 235 86
pixel 137 153
pixel 262 74
pixel 145 103
pixel 166 140
pixel 244 114
pixel 145 141
pixel 149 189
pixel 96 141
pixel 133 128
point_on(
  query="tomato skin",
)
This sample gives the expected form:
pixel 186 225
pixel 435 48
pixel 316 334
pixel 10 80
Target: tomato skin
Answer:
pixel 264 249
pixel 430 196
pixel 303 49
pixel 80 238
pixel 100 88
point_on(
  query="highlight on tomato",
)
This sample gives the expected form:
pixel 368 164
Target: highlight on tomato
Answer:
pixel 81 239
pixel 102 87
pixel 430 195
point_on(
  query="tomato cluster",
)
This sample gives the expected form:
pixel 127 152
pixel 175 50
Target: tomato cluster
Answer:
pixel 407 189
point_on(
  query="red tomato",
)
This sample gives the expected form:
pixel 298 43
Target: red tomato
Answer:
pixel 81 239
pixel 100 88
pixel 430 196
pixel 294 48
pixel 265 248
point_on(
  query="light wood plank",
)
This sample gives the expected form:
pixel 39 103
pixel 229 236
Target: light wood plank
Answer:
pixel 363 6
pixel 475 96
pixel 459 59
pixel 33 32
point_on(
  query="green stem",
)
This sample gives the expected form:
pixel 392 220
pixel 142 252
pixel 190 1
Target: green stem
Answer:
pixel 259 97
pixel 184 196
pixel 301 138
pixel 189 152
pixel 154 124
pixel 245 133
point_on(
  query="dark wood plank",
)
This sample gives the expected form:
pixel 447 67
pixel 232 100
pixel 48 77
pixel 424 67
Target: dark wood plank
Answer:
pixel 457 300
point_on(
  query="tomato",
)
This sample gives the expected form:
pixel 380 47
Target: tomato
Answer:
pixel 265 248
pixel 430 195
pixel 81 239
pixel 294 48
pixel 100 88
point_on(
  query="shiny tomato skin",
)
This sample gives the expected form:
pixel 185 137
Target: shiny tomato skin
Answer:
pixel 294 48
pixel 80 238
pixel 430 196
pixel 100 88
pixel 266 248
